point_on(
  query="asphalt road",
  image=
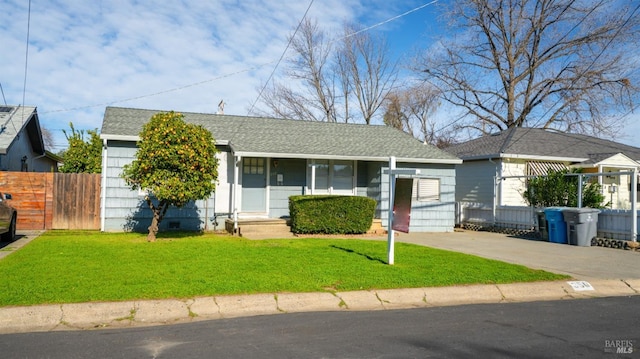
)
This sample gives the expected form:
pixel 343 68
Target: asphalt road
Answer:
pixel 587 328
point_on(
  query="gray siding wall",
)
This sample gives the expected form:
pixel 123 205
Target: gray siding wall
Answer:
pixel 427 216
pixel 475 181
pixel 126 210
pixel 368 182
pixel 21 147
pixel 293 172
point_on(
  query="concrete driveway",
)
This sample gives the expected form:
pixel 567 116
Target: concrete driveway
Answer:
pixel 582 263
pixel 22 238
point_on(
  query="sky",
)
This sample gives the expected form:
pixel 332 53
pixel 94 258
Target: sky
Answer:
pixel 187 56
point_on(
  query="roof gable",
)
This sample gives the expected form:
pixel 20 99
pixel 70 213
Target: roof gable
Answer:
pixel 15 119
pixel 541 143
pixel 609 160
pixel 260 136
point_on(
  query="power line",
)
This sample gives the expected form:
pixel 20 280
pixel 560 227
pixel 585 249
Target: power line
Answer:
pixel 26 62
pixel 389 20
pixel 3 98
pixel 232 73
pixel 281 57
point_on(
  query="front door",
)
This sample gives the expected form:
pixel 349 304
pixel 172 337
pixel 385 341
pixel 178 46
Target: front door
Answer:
pixel 254 185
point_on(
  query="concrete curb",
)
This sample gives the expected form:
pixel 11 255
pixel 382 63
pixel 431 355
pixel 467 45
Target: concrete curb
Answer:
pixel 44 318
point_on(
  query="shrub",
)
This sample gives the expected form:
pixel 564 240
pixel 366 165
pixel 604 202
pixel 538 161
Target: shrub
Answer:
pixel 331 214
pixel 558 189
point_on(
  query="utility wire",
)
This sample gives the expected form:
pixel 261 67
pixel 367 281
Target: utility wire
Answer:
pixel 229 74
pixel 281 57
pixel 26 62
pixel 3 98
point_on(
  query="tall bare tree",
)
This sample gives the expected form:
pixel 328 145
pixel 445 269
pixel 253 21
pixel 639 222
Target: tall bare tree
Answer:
pixel 412 110
pixel 47 138
pixel 332 80
pixel 395 113
pixel 368 70
pixel 313 98
pixel 538 63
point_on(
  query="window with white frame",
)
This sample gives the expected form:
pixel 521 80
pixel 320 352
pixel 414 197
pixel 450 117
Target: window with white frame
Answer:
pixel 331 177
pixel 427 189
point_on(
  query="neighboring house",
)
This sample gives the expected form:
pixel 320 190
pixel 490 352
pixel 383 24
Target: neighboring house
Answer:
pixel 263 161
pixel 494 166
pixel 21 145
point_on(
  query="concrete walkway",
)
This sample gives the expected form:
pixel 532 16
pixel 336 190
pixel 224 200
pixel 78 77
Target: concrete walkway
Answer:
pixel 598 272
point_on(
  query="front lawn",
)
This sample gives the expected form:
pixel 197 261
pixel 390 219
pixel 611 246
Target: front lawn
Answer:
pixel 69 267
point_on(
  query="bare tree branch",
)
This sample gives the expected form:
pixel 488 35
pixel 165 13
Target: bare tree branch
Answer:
pixel 328 82
pixel 538 63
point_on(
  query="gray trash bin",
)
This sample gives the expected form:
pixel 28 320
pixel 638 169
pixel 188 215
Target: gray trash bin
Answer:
pixel 582 225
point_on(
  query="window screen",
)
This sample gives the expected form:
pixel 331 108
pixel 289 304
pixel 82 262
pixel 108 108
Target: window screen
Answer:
pixel 427 189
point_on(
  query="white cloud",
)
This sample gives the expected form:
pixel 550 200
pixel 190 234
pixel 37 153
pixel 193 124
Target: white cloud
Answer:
pixel 86 54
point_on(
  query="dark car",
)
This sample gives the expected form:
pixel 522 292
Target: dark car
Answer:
pixel 8 218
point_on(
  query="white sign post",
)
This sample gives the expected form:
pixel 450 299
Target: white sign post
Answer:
pixel 393 172
pixel 390 237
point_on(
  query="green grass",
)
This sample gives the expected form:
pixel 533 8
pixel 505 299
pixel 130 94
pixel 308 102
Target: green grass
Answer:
pixel 69 267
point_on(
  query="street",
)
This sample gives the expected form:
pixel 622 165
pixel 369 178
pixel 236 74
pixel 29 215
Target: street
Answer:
pixel 590 328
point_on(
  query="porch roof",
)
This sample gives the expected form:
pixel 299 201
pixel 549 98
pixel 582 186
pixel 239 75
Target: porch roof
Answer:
pixel 270 137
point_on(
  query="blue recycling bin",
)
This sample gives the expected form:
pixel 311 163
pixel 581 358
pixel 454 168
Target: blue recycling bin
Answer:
pixel 557 227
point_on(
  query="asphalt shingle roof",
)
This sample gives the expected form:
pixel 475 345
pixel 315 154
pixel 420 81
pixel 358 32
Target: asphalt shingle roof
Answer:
pixel 260 135
pixel 542 143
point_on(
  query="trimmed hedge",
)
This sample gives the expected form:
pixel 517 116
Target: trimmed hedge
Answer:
pixel 331 214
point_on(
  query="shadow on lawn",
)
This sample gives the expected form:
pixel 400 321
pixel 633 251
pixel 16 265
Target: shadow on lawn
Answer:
pixel 348 250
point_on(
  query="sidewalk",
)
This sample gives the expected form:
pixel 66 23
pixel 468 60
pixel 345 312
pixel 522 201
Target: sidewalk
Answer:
pixel 538 254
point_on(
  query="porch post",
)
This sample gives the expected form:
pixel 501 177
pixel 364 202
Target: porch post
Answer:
pixel 313 177
pixel 390 237
pixel 236 173
pixel 634 205
pixel 579 190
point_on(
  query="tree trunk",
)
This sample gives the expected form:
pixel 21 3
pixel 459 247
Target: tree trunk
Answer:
pixel 158 213
pixel 153 228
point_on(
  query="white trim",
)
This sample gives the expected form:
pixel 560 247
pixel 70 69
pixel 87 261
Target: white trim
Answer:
pixel 103 189
pixel 136 138
pixel 312 190
pixel 267 184
pixel 237 160
pixel 348 158
pixel 302 155
pixel 525 157
pixel 545 158
pixel 311 163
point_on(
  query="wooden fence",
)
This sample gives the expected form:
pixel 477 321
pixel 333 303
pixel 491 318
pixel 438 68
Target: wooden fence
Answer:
pixel 54 200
